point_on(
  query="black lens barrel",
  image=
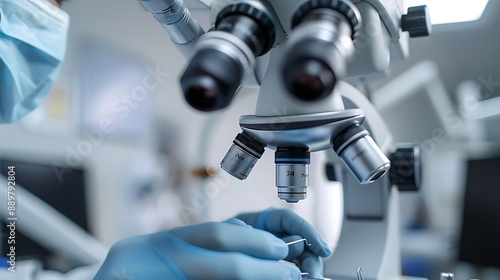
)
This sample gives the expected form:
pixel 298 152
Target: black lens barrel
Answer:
pixel 250 24
pixel 307 76
pixel 323 44
pixel 213 76
pixel 211 80
pixel 247 30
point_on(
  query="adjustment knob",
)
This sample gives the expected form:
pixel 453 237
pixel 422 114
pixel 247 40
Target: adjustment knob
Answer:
pixel 417 21
pixel 406 169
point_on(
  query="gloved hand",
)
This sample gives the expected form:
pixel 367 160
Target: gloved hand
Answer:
pixel 224 250
pixel 288 226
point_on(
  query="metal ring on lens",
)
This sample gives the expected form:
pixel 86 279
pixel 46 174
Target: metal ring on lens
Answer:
pixel 258 13
pixel 346 8
pixel 228 44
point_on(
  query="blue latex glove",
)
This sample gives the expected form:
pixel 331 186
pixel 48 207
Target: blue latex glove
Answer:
pixel 288 226
pixel 225 250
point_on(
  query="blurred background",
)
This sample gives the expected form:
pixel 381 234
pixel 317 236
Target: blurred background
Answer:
pixel 117 150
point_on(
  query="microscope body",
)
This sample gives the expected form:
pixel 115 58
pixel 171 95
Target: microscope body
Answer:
pixel 299 52
pixel 370 234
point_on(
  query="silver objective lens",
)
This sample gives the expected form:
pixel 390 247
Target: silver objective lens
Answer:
pixel 292 174
pixel 242 156
pixel 361 154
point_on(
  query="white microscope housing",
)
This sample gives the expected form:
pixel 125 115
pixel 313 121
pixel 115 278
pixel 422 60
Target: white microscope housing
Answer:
pixel 299 52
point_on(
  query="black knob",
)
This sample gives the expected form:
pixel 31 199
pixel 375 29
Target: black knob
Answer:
pixel 417 21
pixel 406 167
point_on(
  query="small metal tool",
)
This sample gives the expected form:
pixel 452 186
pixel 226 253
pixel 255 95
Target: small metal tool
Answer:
pixel 284 261
pixel 306 275
pixel 447 276
pixel 359 274
pixel 298 241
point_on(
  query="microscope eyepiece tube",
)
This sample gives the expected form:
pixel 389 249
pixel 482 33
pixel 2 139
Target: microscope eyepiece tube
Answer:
pixel 224 55
pixel 361 154
pixel 253 26
pixel 211 79
pixel 175 19
pixel 242 156
pixel 292 173
pixel 306 76
pixel 320 47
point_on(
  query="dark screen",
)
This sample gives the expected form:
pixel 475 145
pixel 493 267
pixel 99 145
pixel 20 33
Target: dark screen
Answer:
pixel 480 234
pixel 67 196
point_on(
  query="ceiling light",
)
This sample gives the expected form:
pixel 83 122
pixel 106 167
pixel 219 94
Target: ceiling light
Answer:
pixel 451 11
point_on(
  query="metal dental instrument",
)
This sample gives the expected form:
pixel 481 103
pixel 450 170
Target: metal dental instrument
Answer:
pixel 359 274
pixel 306 275
pixel 298 241
pixel 447 276
pixel 285 261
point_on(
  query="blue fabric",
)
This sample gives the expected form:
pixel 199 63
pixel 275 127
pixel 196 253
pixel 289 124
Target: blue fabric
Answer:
pixel 225 250
pixel 32 46
pixel 4 263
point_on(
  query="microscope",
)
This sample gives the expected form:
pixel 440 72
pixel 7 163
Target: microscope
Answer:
pixel 300 52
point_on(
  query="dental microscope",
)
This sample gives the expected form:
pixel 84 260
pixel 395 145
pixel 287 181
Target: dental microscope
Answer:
pixel 300 52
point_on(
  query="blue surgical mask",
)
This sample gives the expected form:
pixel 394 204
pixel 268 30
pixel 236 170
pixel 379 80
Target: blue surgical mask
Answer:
pixel 32 46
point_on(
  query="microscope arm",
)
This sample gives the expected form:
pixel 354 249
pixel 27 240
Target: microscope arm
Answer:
pixel 353 99
pixel 370 230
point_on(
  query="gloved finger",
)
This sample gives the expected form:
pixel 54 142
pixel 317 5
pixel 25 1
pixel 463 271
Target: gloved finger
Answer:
pixel 311 263
pixel 228 237
pixel 284 221
pixel 294 250
pixel 142 257
pixel 238 266
pixel 251 268
pixel 213 264
pixel 237 222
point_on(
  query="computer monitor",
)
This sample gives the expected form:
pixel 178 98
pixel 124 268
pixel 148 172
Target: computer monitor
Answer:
pixel 66 196
pixel 480 231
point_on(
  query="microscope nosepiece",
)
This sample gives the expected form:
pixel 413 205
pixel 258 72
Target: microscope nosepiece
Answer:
pixel 361 154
